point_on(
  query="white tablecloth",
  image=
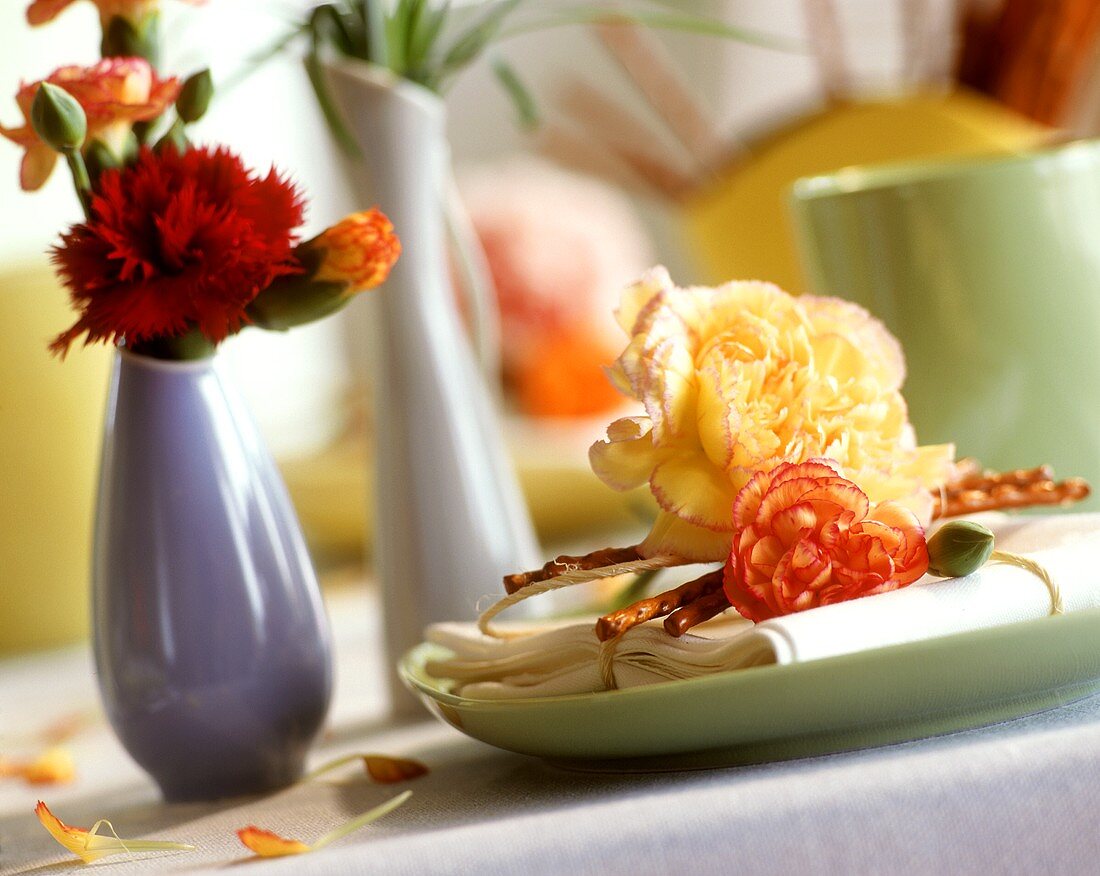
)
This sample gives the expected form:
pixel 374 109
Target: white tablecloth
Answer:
pixel 1021 797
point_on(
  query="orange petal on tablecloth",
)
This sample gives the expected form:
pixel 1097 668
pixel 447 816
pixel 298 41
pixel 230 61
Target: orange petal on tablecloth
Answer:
pixel 388 770
pixel 53 767
pixel 380 767
pixel 270 845
pixel 90 845
pixel 267 844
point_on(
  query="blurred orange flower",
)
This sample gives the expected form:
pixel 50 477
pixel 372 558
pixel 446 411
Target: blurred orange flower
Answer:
pixel 43 11
pixel 357 252
pixel 115 93
pixel 561 376
pixel 805 536
pixel 54 766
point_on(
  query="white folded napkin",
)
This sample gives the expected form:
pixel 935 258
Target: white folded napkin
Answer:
pixel 563 658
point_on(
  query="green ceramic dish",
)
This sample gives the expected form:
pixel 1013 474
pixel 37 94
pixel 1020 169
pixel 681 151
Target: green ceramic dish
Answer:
pixel 859 700
pixel 986 271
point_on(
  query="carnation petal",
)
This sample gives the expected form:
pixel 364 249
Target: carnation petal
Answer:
pixel 638 295
pixel 671 536
pixel 836 316
pixel 626 460
pixel 37 165
pixel 683 483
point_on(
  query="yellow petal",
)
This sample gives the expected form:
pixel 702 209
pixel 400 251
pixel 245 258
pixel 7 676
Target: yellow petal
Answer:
pixel 685 483
pixel 637 296
pixel 90 845
pixel 671 536
pixel 53 767
pixel 883 351
pixel 627 458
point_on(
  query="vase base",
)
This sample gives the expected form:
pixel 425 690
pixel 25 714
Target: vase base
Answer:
pixel 208 789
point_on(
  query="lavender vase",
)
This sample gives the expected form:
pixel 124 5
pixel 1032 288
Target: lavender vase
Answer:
pixel 211 642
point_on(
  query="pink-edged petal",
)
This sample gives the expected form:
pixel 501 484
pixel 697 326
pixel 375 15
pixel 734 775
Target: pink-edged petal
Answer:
pixel 627 459
pixel 637 296
pixel 835 316
pixel 684 483
pixel 671 536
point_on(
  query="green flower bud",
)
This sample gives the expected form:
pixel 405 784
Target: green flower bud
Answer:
pixel 195 97
pixel 58 118
pixel 959 548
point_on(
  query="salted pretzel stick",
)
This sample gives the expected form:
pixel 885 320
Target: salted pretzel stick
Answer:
pixel 1008 496
pixel 694 613
pixel 565 563
pixel 966 469
pixel 986 480
pixel 618 622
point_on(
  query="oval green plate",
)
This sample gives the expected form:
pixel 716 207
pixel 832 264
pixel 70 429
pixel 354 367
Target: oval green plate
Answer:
pixel 871 698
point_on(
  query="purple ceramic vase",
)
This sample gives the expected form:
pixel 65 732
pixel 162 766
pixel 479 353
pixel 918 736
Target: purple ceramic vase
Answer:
pixel 211 642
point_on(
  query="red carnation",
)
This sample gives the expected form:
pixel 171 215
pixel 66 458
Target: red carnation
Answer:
pixel 177 241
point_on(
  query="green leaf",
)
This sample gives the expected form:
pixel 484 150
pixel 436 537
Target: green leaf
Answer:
pixel 329 25
pixel 395 44
pixel 423 37
pixel 333 118
pixel 195 96
pixel 477 37
pixel 377 44
pixel 697 24
pixel 526 109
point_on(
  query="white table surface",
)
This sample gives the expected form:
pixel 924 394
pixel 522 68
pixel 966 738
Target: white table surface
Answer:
pixel 1021 797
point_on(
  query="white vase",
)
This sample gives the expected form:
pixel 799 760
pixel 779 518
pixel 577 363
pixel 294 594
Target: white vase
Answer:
pixel 450 516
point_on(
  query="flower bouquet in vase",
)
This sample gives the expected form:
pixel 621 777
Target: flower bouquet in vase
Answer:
pixel 211 644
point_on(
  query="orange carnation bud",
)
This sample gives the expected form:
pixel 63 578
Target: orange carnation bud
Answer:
pixel 44 11
pixel 357 252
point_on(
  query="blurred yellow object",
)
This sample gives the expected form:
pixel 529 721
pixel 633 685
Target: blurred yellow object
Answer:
pixel 739 226
pixel 331 491
pixel 50 423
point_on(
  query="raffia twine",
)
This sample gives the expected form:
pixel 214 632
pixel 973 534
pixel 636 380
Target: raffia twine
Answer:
pixel 568 579
pixel 1028 565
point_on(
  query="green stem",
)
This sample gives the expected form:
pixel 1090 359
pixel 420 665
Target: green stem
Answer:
pixel 81 179
pixel 332 765
pixel 181 348
pixel 375 17
pixel 364 819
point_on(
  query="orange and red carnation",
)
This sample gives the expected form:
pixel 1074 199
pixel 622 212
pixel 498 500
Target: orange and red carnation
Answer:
pixel 44 11
pixel 805 536
pixel 114 94
pixel 177 241
pixel 358 251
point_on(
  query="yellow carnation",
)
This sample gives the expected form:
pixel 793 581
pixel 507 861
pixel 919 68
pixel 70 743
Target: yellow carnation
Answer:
pixel 739 378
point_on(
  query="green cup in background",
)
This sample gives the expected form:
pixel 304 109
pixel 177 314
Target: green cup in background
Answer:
pixel 988 272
